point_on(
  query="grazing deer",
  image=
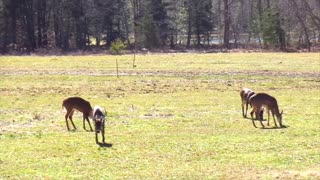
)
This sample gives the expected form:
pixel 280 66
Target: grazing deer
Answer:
pixel 245 94
pixel 76 103
pixel 99 118
pixel 263 100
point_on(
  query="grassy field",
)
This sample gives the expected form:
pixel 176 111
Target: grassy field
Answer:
pixel 174 116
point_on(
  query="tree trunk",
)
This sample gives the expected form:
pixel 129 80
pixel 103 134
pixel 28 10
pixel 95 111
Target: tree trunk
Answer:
pixel 137 15
pixel 260 11
pixel 219 21
pixel 235 35
pixel 189 24
pixel 29 24
pixel 172 39
pixel 5 33
pixel 126 26
pixel 97 41
pixel 13 23
pixel 227 22
pixel 315 19
pixel 250 20
pixel 198 32
pixel 56 24
pixel 301 21
pixel 281 34
pixel 268 4
pixel 41 22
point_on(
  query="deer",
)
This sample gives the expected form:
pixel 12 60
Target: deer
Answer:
pixel 77 103
pixel 263 100
pixel 245 94
pixel 99 118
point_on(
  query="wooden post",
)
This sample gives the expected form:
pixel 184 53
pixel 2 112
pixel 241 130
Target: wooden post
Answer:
pixel 117 68
pixel 134 55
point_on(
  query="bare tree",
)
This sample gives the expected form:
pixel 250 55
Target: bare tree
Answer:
pixel 302 23
pixel 227 23
pixel 315 19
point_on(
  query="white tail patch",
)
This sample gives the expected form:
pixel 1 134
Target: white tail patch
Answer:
pixel 97 109
pixel 63 109
pixel 99 118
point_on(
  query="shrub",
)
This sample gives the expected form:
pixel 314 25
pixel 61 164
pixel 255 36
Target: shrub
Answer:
pixel 117 46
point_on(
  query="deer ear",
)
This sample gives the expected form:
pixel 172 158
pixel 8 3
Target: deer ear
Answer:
pixel 281 112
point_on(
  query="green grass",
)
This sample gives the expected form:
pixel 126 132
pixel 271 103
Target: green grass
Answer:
pixel 175 116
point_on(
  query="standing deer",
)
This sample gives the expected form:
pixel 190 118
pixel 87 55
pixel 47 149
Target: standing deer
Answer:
pixel 77 103
pixel 99 118
pixel 263 100
pixel 245 95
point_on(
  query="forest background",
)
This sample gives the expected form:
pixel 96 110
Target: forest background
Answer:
pixel 60 26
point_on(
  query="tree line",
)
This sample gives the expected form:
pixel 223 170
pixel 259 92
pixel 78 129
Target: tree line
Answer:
pixel 66 25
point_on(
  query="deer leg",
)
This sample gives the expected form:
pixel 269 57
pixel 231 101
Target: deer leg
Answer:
pixel 261 113
pixel 268 117
pixel 252 118
pixel 257 112
pixel 257 115
pixel 280 123
pixel 245 115
pixel 84 122
pixel 275 123
pixel 261 123
pixel 274 120
pixel 242 107
pixel 96 137
pixel 102 133
pixel 87 118
pixel 70 117
pixel 66 117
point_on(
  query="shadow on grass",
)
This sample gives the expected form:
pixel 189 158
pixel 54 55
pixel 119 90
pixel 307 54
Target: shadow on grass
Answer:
pixel 76 130
pixel 254 119
pixel 282 127
pixel 105 145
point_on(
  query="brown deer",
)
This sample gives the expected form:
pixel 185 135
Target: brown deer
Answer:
pixel 245 94
pixel 99 118
pixel 77 103
pixel 263 100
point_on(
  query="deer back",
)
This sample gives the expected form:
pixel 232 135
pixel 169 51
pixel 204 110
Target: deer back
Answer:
pixel 99 118
pixel 246 93
pixel 77 103
pixel 263 99
pixel 98 112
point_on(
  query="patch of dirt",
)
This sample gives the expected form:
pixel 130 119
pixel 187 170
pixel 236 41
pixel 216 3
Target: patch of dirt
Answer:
pixel 156 115
pixel 34 91
pixel 165 73
pixel 187 83
pixel 297 174
pixel 121 88
pixel 24 121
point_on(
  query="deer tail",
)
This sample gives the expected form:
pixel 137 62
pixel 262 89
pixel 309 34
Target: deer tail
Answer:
pixel 63 108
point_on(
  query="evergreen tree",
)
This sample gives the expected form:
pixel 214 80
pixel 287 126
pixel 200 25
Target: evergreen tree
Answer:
pixel 272 32
pixel 155 24
pixel 29 25
pixel 269 28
